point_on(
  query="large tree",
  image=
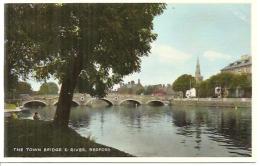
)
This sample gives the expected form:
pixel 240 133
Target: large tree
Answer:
pixel 90 45
pixel 19 49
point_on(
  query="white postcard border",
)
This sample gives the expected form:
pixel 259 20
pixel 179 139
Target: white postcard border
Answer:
pixel 255 96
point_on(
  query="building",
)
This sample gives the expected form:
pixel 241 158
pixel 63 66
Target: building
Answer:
pixel 130 88
pixel 241 66
pixel 191 93
pixel 198 76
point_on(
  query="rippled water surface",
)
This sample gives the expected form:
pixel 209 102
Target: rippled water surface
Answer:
pixel 164 131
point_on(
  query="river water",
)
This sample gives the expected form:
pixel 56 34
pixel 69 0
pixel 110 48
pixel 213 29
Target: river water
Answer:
pixel 163 131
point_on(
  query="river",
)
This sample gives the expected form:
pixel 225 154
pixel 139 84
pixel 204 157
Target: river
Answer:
pixel 166 131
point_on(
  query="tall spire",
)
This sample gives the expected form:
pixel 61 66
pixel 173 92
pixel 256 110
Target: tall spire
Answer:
pixel 198 76
pixel 197 67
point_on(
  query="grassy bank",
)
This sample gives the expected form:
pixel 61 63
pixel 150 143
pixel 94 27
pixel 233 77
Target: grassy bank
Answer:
pixel 9 106
pixel 32 138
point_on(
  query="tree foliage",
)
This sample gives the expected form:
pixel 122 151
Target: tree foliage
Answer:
pixel 184 83
pixel 149 90
pixel 228 81
pixel 140 91
pixel 23 88
pixel 49 88
pixel 91 46
pixel 108 38
pixel 136 89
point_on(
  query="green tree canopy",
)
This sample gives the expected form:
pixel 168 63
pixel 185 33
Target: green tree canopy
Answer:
pixel 226 81
pixel 89 45
pixel 49 88
pixel 184 83
pixel 149 89
pixel 23 88
pixel 139 90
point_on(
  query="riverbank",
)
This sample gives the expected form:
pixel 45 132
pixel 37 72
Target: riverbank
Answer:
pixel 17 109
pixel 29 138
pixel 11 108
pixel 213 102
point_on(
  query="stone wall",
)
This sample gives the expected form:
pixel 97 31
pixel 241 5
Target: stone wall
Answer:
pixel 213 102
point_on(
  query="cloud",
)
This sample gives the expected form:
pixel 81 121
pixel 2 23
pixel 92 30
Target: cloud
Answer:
pixel 240 15
pixel 170 54
pixel 213 55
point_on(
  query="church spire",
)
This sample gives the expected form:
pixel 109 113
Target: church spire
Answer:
pixel 198 76
pixel 197 67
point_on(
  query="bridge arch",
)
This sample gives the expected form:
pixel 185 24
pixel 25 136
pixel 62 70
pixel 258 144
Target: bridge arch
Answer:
pixel 110 103
pixel 155 103
pixel 74 103
pixel 136 102
pixel 34 103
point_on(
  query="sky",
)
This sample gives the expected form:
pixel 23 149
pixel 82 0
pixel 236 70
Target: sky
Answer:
pixel 217 34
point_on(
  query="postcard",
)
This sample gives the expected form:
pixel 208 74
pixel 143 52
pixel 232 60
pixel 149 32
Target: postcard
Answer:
pixel 128 82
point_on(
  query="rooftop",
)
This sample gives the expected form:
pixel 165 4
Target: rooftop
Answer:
pixel 245 60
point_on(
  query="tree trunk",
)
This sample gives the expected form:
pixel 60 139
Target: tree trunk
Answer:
pixel 64 104
pixel 62 114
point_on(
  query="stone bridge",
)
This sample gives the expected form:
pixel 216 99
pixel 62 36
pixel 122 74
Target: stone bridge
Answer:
pixel 87 100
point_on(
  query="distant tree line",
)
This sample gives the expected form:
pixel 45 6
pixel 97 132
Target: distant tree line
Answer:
pixel 25 88
pixel 49 88
pixel 136 89
pixel 157 90
pixel 232 85
pixel 146 90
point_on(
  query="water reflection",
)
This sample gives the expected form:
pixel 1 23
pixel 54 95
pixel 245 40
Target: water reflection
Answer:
pixel 180 117
pixel 159 131
pixel 79 118
pixel 229 127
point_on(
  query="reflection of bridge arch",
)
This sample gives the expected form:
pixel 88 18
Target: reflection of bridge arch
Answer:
pixel 74 103
pixel 131 100
pixel 155 103
pixel 35 103
pixel 110 103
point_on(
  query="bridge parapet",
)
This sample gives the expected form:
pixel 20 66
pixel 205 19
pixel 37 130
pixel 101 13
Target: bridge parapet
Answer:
pixel 112 99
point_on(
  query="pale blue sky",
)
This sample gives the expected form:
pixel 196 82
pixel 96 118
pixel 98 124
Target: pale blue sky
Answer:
pixel 216 33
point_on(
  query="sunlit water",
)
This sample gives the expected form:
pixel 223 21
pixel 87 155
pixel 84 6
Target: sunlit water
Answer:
pixel 164 131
